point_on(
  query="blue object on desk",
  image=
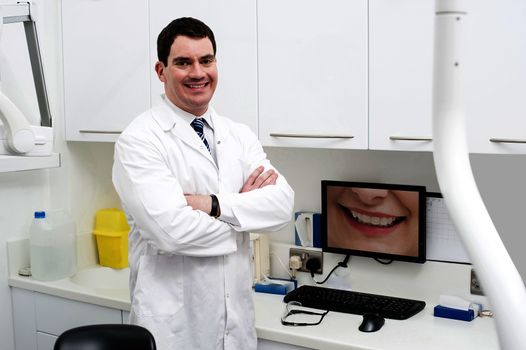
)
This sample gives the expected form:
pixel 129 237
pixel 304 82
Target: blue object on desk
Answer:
pixel 456 314
pixel 276 288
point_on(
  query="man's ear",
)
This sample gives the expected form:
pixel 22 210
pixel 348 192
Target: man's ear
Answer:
pixel 159 69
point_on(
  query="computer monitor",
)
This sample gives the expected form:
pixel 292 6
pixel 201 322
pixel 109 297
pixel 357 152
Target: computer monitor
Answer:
pixel 382 221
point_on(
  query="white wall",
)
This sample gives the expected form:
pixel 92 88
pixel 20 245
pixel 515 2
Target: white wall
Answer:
pixel 500 179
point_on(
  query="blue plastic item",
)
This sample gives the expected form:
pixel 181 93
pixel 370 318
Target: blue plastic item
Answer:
pixel 456 314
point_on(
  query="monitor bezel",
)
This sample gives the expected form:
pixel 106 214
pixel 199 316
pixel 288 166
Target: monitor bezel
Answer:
pixel 421 190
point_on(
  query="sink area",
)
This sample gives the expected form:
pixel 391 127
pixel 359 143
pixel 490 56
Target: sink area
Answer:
pixel 101 277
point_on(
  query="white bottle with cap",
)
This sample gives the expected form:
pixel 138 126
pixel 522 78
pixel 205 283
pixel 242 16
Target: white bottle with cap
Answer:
pixel 52 239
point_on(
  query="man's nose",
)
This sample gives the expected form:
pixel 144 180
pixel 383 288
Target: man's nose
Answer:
pixel 196 70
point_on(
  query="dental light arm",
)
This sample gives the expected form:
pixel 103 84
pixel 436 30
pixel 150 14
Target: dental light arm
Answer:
pixel 502 282
pixel 19 135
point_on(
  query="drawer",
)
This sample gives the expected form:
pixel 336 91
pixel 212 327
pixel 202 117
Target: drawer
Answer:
pixel 55 315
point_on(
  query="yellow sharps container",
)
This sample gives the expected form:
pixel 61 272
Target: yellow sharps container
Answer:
pixel 111 232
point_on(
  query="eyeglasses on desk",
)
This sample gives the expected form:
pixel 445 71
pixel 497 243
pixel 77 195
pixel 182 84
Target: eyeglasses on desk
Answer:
pixel 293 308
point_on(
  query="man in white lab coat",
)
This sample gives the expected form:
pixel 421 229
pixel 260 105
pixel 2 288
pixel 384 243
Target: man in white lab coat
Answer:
pixel 190 204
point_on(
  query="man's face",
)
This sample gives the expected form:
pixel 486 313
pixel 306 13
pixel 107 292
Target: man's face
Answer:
pixel 190 77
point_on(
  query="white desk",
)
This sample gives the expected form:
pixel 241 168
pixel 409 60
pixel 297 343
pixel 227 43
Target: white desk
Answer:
pixel 337 331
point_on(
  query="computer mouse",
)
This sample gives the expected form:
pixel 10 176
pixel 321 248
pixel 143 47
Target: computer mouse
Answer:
pixel 371 323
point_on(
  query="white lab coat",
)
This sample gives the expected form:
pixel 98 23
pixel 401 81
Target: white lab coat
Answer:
pixel 190 275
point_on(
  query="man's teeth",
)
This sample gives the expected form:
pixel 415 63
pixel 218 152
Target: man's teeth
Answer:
pixel 373 220
pixel 194 86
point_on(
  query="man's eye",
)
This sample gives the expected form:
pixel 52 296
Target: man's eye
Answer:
pixel 207 61
pixel 182 63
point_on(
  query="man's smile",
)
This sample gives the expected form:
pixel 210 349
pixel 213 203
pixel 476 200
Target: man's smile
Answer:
pixel 196 85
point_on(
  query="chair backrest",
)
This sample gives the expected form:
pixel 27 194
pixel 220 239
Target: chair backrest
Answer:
pixel 106 337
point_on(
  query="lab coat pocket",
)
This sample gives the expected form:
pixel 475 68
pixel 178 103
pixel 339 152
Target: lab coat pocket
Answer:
pixel 159 288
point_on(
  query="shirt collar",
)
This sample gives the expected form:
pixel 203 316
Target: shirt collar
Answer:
pixel 189 117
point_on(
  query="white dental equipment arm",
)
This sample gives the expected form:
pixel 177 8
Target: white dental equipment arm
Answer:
pixel 20 136
pixel 499 277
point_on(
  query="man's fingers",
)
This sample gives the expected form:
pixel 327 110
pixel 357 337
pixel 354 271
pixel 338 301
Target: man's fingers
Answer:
pixel 259 179
pixel 262 178
pixel 271 180
pixel 247 186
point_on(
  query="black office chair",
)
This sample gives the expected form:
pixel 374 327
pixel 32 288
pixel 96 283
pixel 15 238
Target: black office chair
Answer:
pixel 106 337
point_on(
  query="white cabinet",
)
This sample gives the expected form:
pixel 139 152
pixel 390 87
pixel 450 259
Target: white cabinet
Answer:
pixel 400 74
pixel 264 344
pixel 496 75
pixel 494 62
pixel 342 74
pixel 45 341
pixel 110 52
pixel 106 66
pixel 312 62
pixel 234 25
pixel 40 318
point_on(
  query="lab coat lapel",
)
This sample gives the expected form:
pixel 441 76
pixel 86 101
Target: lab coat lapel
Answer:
pixel 221 134
pixel 172 123
pixel 188 135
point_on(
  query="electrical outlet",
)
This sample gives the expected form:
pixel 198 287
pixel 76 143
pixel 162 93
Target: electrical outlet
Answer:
pixel 306 254
pixel 474 284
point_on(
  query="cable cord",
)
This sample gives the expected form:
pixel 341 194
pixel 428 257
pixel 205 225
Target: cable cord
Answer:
pixel 282 264
pixel 340 264
pixel 384 262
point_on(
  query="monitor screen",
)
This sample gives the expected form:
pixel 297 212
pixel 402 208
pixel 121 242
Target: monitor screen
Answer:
pixel 383 221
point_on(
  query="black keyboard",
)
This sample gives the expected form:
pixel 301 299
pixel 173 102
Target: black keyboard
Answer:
pixel 351 302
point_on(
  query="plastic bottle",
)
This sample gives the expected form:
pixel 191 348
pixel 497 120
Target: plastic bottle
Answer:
pixel 52 245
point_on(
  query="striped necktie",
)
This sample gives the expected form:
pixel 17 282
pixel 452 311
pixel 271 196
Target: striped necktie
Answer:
pixel 198 126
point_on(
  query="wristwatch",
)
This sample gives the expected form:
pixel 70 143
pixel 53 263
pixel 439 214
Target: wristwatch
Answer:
pixel 214 211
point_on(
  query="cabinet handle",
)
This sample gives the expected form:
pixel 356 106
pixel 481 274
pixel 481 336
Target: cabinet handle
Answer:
pixel 312 136
pixel 99 132
pixel 410 138
pixel 497 140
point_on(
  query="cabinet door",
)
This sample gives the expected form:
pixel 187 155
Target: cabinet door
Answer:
pixel 125 317
pixel 312 60
pixel 400 72
pixel 24 324
pixel 264 344
pixel 106 69
pixel 234 25
pixel 45 341
pixel 496 75
pixel 72 314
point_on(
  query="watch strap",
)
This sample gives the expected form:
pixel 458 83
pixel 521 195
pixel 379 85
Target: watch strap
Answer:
pixel 214 211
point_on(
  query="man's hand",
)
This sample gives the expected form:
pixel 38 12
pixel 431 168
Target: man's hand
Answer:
pixel 199 202
pixel 259 179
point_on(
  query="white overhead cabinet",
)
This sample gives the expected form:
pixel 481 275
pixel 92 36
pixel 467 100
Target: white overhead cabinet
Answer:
pixel 342 74
pixel 400 74
pixel 234 25
pixel 106 66
pixel 494 66
pixel 496 76
pixel 312 61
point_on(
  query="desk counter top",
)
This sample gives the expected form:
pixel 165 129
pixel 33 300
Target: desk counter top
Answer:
pixel 337 331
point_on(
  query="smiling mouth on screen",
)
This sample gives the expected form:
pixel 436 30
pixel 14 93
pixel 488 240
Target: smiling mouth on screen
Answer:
pixel 372 223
